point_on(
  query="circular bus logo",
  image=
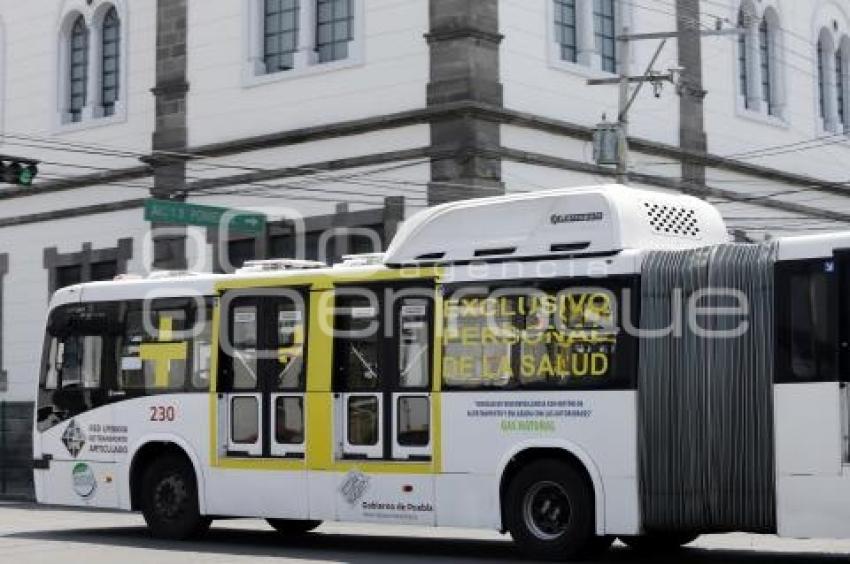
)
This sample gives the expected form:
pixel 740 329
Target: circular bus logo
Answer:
pixel 84 481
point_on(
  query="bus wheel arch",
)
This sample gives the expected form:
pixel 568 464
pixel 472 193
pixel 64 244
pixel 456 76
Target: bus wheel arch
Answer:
pixel 569 455
pixel 549 503
pixel 145 454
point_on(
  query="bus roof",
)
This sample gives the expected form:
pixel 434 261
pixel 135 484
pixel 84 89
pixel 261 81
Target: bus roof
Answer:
pixel 553 224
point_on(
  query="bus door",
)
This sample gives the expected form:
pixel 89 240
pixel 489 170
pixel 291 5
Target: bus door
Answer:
pixel 382 373
pixel 262 375
pixel 842 259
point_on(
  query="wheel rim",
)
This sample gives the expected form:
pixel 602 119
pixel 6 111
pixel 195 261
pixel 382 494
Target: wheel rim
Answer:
pixel 170 497
pixel 547 510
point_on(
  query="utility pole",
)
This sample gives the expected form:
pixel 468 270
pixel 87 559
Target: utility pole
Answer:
pixel 602 139
pixel 623 111
pixel 692 137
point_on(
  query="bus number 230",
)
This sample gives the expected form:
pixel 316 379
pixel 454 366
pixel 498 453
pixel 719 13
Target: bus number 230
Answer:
pixel 161 413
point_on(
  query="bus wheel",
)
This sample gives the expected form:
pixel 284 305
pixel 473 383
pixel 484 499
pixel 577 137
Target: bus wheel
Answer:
pixel 293 527
pixel 170 500
pixel 659 543
pixel 549 512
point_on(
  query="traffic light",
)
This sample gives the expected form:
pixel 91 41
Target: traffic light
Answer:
pixel 21 172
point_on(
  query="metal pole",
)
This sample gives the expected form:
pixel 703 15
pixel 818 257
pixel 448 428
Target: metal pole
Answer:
pixel 622 120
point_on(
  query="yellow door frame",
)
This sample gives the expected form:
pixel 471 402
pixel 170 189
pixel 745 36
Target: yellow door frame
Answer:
pixel 319 396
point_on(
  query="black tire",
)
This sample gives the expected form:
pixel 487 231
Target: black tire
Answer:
pixel 659 543
pixel 293 527
pixel 550 513
pixel 170 499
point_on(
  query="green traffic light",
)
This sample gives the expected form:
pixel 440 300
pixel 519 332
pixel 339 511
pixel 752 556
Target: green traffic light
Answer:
pixel 14 171
pixel 27 175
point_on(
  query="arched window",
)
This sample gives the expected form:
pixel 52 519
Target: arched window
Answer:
pixel 566 30
pixel 604 29
pixel 821 79
pixel 110 61
pixel 766 52
pixel 760 77
pixel 827 91
pixel 839 86
pixel 842 83
pixel 78 69
pixel 280 33
pixel 743 51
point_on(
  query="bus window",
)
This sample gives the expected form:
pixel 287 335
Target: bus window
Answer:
pixel 75 362
pixel 165 368
pixel 55 351
pixel 413 358
pixel 543 337
pixel 289 415
pixel 104 352
pixel 202 351
pixel 414 419
pixel 153 362
pixel 575 339
pixel 477 345
pixel 806 332
pixel 363 420
pixel 73 376
pixel 290 346
pixel 130 373
pixel 356 343
pixel 245 415
pixel 245 347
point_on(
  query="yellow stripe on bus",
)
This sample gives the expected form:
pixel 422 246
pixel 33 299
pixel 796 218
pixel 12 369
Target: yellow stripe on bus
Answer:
pixel 161 354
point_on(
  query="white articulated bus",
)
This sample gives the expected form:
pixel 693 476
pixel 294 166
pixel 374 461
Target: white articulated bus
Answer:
pixel 568 366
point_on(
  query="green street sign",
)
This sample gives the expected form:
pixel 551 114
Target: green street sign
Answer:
pixel 167 211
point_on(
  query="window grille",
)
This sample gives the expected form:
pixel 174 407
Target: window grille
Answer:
pixel 334 29
pixel 111 61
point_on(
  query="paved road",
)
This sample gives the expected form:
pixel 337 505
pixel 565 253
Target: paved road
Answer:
pixel 30 535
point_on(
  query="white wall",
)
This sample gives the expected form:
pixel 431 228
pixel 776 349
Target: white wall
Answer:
pixel 391 77
pixel 732 130
pixel 534 83
pixel 30 103
pixel 362 187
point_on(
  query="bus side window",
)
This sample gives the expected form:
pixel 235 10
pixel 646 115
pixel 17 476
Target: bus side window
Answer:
pixel 202 350
pixel 54 362
pixel 806 324
pixel 131 374
pixel 290 345
pixel 356 343
pixel 73 373
pixel 553 336
pixel 472 356
pixel 76 363
pixel 289 417
pixel 414 347
pixel 245 347
pixel 91 361
pixel 165 368
pixel 154 355
pixel 414 421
